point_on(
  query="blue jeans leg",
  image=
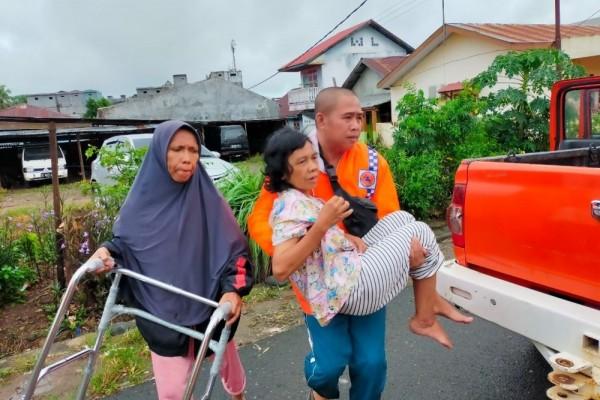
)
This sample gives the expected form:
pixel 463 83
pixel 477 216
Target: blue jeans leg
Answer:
pixel 368 365
pixel 330 353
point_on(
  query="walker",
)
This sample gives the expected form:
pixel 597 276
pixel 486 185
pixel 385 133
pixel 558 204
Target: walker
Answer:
pixel 112 309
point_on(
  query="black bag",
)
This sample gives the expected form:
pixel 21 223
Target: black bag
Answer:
pixel 364 215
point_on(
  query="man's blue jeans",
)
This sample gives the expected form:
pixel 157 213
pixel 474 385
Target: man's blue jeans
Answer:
pixel 348 340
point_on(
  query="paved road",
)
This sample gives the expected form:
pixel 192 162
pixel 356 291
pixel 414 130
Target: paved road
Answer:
pixel 488 363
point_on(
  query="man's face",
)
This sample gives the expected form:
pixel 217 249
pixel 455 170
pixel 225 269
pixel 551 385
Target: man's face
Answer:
pixel 341 126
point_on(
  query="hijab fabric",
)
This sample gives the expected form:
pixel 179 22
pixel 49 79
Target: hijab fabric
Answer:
pixel 183 234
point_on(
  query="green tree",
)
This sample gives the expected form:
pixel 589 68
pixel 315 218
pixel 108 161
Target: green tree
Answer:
pixel 93 105
pixel 518 114
pixel 6 100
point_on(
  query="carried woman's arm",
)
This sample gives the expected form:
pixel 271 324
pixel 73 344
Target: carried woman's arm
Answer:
pixel 290 255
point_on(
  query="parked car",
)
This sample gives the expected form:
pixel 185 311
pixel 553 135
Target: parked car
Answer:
pixel 217 169
pixel 231 141
pixel 37 165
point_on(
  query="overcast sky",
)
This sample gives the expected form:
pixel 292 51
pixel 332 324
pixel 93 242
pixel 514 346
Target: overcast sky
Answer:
pixel 115 46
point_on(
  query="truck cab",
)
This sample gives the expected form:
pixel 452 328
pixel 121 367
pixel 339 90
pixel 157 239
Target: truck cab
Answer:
pixel 526 237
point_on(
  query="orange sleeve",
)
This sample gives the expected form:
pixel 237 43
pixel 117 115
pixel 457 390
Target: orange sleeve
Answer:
pixel 385 197
pixel 258 221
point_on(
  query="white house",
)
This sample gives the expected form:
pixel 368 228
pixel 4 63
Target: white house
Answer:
pixel 331 62
pixel 457 52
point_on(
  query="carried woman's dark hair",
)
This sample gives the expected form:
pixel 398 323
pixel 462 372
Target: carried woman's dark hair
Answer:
pixel 277 151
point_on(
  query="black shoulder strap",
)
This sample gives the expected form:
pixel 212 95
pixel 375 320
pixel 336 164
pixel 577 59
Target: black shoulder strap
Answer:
pixel 331 173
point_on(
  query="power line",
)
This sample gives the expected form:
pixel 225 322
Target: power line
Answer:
pixel 588 18
pixel 316 43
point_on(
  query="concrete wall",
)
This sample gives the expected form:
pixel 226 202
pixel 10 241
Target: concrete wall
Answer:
pixel 208 100
pixel 64 102
pixel 591 64
pixel 341 59
pixel 366 85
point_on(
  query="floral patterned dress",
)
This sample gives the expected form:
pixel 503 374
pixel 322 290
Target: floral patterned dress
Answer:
pixel 329 274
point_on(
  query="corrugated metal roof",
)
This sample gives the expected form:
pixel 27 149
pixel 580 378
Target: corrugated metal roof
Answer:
pixel 322 47
pixel 528 33
pixel 27 110
pixel 451 87
pixel 383 65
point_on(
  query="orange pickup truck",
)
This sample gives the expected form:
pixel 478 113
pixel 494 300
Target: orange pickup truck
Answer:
pixel 526 236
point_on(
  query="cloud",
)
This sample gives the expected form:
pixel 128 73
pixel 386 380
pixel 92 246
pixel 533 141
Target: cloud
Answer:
pixel 115 46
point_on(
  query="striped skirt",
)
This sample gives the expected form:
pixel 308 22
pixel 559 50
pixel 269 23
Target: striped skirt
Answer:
pixel 385 265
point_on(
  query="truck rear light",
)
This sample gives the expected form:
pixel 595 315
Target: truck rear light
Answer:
pixel 455 215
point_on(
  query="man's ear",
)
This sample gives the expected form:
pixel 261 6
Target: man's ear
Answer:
pixel 319 119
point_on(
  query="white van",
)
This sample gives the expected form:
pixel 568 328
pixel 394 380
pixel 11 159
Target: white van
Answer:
pixel 37 165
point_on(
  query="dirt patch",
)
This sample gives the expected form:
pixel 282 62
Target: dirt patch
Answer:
pixel 40 197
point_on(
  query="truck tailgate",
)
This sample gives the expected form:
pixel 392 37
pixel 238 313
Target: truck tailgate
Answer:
pixel 534 223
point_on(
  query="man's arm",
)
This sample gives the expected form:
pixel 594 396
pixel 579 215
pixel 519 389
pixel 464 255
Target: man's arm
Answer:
pixel 258 221
pixel 385 196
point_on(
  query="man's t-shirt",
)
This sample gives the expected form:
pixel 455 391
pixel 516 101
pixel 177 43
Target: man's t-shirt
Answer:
pixel 354 177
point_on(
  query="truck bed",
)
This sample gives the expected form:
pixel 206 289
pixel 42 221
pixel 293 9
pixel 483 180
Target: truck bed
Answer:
pixel 528 219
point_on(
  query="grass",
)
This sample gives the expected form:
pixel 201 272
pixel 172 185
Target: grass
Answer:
pixel 262 292
pixel 20 366
pixel 252 164
pixel 125 361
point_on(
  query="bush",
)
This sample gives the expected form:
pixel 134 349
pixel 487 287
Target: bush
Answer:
pixel 241 192
pixel 12 283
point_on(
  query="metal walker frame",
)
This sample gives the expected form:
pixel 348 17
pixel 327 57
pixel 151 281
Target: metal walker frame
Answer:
pixel 111 310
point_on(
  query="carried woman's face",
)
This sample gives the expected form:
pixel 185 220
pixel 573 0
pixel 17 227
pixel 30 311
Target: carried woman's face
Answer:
pixel 182 156
pixel 304 168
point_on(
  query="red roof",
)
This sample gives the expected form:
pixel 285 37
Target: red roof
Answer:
pixel 528 33
pixel 26 110
pixel 302 60
pixel 451 87
pixel 383 65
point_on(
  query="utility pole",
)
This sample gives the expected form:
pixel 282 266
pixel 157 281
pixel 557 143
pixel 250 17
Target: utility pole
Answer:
pixel 557 42
pixel 444 18
pixel 233 53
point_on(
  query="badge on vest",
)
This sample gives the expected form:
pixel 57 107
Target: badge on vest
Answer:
pixel 367 179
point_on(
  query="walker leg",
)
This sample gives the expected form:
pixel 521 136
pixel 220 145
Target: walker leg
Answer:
pixel 215 368
pixel 58 318
pixel 104 323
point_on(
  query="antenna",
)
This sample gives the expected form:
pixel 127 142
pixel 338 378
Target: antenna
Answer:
pixel 233 53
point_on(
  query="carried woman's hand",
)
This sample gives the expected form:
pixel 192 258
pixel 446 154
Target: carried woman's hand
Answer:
pixel 236 306
pixel 358 243
pixel 334 211
pixel 103 254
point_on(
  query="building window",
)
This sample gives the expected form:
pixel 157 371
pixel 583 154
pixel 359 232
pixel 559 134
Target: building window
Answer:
pixel 158 91
pixel 310 78
pixel 36 98
pixel 145 91
pixel 50 97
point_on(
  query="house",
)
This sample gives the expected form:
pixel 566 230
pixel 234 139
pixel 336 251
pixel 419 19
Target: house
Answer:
pixel 330 62
pixel 457 52
pixel 28 111
pixel 72 103
pixel 374 101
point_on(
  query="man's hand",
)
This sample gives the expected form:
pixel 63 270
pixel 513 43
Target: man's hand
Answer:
pixel 417 254
pixel 358 243
pixel 103 254
pixel 236 305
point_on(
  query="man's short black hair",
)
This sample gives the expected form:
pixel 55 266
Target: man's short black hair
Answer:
pixel 277 152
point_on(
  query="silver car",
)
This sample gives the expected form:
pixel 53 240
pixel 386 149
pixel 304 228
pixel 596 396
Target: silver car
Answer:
pixel 215 167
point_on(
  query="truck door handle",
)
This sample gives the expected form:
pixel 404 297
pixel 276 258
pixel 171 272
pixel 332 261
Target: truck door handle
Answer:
pixel 596 209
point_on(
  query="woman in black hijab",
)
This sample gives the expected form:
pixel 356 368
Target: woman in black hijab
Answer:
pixel 174 226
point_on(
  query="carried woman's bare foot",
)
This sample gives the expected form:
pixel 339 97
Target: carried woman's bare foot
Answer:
pixel 445 309
pixel 431 329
